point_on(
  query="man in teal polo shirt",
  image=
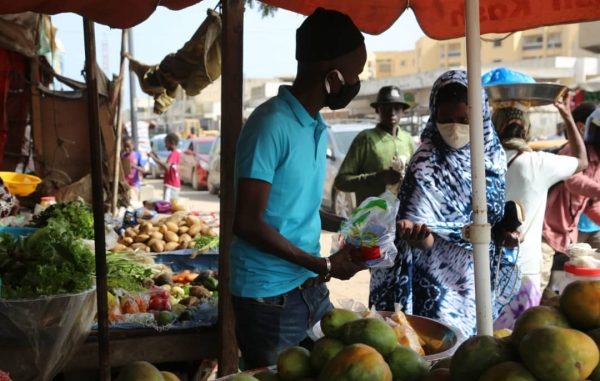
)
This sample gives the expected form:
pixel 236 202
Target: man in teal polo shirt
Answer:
pixel 277 271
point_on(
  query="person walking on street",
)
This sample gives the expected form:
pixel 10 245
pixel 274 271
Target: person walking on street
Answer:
pixel 171 181
pixel 367 167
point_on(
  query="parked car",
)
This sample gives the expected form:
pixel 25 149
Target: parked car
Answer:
pixel 157 144
pixel 193 168
pixel 214 168
pixel 340 135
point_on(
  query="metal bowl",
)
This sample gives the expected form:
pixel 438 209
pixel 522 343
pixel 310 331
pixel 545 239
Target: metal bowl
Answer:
pixel 449 337
pixel 528 94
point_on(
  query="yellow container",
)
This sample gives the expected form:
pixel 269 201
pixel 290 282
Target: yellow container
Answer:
pixel 20 184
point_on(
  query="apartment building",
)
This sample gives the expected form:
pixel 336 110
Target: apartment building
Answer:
pixel 568 40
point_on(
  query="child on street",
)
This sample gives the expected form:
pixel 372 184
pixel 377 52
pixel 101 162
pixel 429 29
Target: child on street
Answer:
pixel 172 182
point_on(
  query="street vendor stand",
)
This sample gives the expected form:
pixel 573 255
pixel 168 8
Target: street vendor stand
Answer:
pixel 373 16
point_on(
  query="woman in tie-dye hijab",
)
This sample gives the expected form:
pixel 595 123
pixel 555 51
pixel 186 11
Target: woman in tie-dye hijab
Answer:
pixel 439 282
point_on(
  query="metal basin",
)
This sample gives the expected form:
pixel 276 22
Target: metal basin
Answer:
pixel 447 337
pixel 529 94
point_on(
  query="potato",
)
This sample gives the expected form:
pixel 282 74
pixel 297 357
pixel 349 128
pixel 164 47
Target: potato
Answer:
pixel 142 238
pixel 182 245
pixel 172 226
pixel 170 246
pixel 138 246
pixel 183 229
pixel 147 229
pixel 206 230
pixel 171 237
pixel 199 292
pixel 157 235
pixel 129 232
pixel 190 245
pixel 157 246
pixel 195 229
pixel 185 238
pixel 182 223
pixel 163 229
pixel 119 247
pixel 192 220
pixel 127 241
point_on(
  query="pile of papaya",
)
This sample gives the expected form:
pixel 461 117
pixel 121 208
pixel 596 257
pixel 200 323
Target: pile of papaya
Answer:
pixel 547 343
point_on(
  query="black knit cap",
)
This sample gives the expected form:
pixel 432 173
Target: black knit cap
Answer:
pixel 326 35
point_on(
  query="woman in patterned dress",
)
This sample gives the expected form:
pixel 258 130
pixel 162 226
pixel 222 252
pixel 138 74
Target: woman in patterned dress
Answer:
pixel 439 282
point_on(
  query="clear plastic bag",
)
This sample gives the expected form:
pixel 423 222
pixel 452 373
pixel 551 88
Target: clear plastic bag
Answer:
pixel 372 228
pixel 39 336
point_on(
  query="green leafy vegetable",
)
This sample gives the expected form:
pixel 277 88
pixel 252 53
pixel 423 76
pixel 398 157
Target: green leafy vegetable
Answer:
pixel 129 270
pixel 51 261
pixel 75 215
pixel 204 243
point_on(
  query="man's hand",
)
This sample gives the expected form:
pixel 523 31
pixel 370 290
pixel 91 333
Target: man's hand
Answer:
pixel 343 265
pixel 389 176
pixel 510 239
pixel 563 107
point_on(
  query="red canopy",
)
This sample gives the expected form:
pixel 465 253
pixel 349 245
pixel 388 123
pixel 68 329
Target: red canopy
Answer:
pixel 442 19
pixel 114 13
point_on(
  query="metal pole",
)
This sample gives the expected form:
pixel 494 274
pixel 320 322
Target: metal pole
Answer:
pixel 118 125
pixel 232 42
pixel 97 194
pixel 132 108
pixel 479 232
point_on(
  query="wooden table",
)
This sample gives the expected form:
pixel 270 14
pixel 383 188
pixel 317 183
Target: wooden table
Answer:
pixel 181 345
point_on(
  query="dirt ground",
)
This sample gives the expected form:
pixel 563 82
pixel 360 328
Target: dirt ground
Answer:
pixel 356 288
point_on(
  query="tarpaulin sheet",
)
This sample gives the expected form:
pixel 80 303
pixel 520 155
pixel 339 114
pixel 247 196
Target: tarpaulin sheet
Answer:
pixel 114 13
pixel 443 19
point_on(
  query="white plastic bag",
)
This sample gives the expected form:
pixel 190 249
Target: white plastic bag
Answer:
pixel 372 228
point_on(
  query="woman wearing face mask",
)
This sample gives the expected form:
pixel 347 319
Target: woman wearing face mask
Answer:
pixel 438 282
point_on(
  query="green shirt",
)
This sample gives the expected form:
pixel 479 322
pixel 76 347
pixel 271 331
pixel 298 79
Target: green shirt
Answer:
pixel 371 151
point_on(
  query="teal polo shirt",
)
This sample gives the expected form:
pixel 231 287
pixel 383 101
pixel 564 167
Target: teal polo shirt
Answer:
pixel 282 144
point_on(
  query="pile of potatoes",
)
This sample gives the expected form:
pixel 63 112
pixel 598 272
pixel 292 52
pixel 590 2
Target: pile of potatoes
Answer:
pixel 167 234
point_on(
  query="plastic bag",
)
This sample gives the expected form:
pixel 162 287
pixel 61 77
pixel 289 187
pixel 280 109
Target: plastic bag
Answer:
pixel 399 165
pixel 372 228
pixel 39 336
pixel 405 333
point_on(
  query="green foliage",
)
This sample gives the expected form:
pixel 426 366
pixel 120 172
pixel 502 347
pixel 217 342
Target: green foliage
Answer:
pixel 265 9
pixel 75 215
pixel 204 243
pixel 51 261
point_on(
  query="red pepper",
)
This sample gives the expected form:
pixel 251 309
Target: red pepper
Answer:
pixel 159 304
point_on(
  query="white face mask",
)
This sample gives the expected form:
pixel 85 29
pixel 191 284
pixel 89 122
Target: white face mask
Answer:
pixel 456 135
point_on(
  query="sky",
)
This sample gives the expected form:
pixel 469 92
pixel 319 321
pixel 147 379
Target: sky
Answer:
pixel 269 43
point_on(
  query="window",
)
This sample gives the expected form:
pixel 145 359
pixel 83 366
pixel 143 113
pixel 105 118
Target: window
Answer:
pixel 533 42
pixel 497 60
pixel 554 41
pixel 403 63
pixel 384 66
pixel 497 43
pixel 442 53
pixel 454 50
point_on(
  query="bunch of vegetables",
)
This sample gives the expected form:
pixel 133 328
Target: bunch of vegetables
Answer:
pixel 51 261
pixel 76 216
pixel 179 231
pixel 130 271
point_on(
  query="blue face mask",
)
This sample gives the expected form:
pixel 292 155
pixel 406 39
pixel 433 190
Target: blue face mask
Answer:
pixel 344 96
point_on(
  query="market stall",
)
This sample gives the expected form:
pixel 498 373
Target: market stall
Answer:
pixel 232 117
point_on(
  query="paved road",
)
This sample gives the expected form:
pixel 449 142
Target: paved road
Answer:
pixel 356 289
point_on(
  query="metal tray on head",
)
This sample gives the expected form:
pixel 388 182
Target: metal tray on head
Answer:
pixel 528 94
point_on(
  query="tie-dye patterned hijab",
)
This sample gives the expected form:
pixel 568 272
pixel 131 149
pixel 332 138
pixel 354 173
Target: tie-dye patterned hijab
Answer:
pixel 437 187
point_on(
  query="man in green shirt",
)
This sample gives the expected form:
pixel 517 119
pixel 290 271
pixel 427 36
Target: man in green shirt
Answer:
pixel 367 167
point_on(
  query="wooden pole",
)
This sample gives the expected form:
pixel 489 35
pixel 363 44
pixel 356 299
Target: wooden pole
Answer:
pixel 97 196
pixel 232 41
pixel 115 198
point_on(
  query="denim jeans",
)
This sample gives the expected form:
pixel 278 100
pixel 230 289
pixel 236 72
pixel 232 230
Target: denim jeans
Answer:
pixel 266 326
